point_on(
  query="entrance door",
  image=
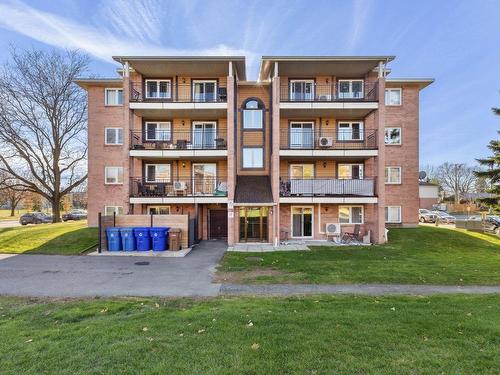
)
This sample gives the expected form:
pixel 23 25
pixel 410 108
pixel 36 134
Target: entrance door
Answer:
pixel 218 224
pixel 253 224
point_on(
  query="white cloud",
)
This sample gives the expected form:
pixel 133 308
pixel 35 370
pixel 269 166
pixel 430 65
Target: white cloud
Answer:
pixel 359 21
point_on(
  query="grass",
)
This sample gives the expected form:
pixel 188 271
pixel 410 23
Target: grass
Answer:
pixel 314 335
pixel 5 214
pixel 424 255
pixel 62 238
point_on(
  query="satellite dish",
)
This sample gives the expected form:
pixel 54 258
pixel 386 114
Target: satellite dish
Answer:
pixel 422 175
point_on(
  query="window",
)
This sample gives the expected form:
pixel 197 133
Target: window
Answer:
pixel 204 178
pixel 113 175
pixel 157 172
pixel 158 131
pixel 350 171
pixel 350 131
pixel 393 96
pixel 113 136
pixel 204 134
pixel 113 97
pixel 392 175
pixel 393 214
pixel 159 210
pixel 110 210
pixel 158 89
pixel 392 136
pixel 302 171
pixel 350 89
pixel 301 135
pixel 204 91
pixel 253 115
pixel 253 157
pixel 351 214
pixel 301 90
pixel 302 221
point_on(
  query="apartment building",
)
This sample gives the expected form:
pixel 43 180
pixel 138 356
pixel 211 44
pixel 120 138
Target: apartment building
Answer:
pixel 315 140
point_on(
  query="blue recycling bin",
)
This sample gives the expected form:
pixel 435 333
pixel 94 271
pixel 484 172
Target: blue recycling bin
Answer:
pixel 142 238
pixel 113 235
pixel 159 236
pixel 128 239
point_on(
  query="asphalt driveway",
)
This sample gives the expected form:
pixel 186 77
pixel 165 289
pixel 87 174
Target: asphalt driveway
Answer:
pixel 91 276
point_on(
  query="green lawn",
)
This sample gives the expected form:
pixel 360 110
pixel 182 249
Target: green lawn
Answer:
pixel 425 255
pixel 61 238
pixel 314 335
pixel 5 214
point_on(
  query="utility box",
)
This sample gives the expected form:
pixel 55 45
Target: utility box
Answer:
pixel 174 239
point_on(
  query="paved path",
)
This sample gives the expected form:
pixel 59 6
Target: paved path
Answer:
pixel 365 289
pixel 9 223
pixel 89 276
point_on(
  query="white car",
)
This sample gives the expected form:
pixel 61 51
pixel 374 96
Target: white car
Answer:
pixel 444 217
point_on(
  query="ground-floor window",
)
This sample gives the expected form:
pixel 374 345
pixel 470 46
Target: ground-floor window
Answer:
pixel 351 214
pixel 110 210
pixel 253 224
pixel 159 210
pixel 302 221
pixel 393 214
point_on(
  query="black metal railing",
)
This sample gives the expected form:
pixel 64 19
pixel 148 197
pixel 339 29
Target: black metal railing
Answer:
pixel 326 187
pixel 179 187
pixel 340 92
pixel 154 139
pixel 309 139
pixel 177 93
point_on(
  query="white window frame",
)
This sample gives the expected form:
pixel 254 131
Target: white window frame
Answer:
pixel 253 111
pixel 341 137
pixel 116 89
pixel 293 138
pixel 302 165
pixel 116 209
pixel 388 91
pixel 400 136
pixel 117 138
pixel 195 81
pixel 158 128
pixel 350 94
pixel 387 216
pixel 146 177
pixel 197 141
pixel 350 214
pixel 305 81
pixel 243 157
pixel 158 83
pixel 387 174
pixel 312 221
pixel 361 170
pixel 106 169
pixel 158 207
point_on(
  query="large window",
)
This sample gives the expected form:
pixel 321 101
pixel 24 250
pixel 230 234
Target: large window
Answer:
pixel 301 135
pixel 204 134
pixel 159 210
pixel 302 171
pixel 204 90
pixel 113 97
pixel 253 115
pixel 158 89
pixel 302 221
pixel 350 89
pixel 158 131
pixel 393 214
pixel 204 178
pixel 113 175
pixel 392 175
pixel 350 131
pixel 157 172
pixel 392 136
pixel 110 210
pixel 350 171
pixel 351 214
pixel 393 96
pixel 113 136
pixel 253 157
pixel 301 90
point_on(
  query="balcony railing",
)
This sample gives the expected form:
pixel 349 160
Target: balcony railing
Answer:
pixel 177 140
pixel 177 93
pixel 367 92
pixel 309 139
pixel 326 187
pixel 178 187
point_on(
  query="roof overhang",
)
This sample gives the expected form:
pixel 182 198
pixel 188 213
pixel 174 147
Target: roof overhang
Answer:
pixel 422 83
pixel 300 66
pixel 194 66
pixel 85 83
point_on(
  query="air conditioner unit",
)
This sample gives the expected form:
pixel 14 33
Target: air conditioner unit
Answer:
pixel 325 98
pixel 179 185
pixel 326 141
pixel 332 229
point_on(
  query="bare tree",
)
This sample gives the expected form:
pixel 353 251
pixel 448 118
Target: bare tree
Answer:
pixel 456 179
pixel 43 118
pixel 10 195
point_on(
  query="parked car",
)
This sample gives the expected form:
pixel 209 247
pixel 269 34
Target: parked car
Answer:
pixel 492 224
pixel 426 216
pixel 445 217
pixel 75 215
pixel 35 218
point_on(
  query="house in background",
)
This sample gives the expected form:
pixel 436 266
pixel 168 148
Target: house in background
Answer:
pixel 428 194
pixel 316 140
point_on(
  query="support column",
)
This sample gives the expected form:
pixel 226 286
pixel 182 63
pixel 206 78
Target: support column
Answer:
pixel 275 156
pixel 379 235
pixel 231 151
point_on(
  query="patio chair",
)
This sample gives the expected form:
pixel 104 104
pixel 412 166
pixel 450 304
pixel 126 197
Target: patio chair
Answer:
pixel 352 237
pixel 221 190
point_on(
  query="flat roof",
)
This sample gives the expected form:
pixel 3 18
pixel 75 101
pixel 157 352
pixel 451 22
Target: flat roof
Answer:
pixel 103 82
pixel 421 82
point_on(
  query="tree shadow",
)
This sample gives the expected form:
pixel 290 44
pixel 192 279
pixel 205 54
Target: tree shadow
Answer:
pixel 70 243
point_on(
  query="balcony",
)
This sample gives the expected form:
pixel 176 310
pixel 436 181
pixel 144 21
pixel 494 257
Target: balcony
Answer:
pixel 328 143
pixel 327 190
pixel 156 143
pixel 178 190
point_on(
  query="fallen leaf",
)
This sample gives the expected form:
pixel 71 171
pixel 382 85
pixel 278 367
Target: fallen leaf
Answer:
pixel 105 310
pixel 214 320
pixel 249 324
pixel 145 329
pixel 30 340
pixel 181 334
pixel 393 308
pixel 201 331
pixel 255 346
pixel 157 305
pixel 469 314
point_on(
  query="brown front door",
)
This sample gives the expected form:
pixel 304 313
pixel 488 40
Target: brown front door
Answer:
pixel 218 224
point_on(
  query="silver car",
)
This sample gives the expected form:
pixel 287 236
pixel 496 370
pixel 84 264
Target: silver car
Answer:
pixel 445 218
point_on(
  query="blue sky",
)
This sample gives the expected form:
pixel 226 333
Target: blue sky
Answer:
pixel 455 42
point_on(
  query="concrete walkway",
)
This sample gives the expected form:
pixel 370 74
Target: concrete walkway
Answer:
pixel 91 276
pixel 362 289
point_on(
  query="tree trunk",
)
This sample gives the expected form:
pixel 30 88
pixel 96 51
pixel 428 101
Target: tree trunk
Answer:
pixel 56 210
pixel 12 210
